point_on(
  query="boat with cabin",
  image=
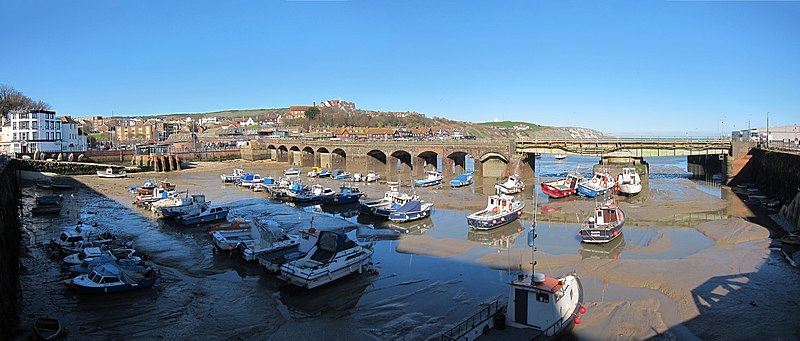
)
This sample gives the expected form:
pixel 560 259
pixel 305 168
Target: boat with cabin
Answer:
pixel 174 206
pixel 158 194
pixel 248 180
pixel 109 278
pixel 109 173
pixel 340 174
pixel 391 201
pixel 629 182
pixel 292 172
pixel 512 185
pixel 604 225
pixel 371 176
pixel 412 210
pixel 210 214
pixel 249 243
pixel 500 209
pixel 600 184
pixel 563 187
pixel 237 173
pixel 302 194
pixel 432 178
pixel 461 180
pixel 347 195
pixel 358 177
pixel 332 257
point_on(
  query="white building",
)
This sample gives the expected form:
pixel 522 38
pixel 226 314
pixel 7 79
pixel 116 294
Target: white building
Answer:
pixel 208 120
pixel 41 130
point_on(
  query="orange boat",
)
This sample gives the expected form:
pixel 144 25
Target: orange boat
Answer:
pixel 234 225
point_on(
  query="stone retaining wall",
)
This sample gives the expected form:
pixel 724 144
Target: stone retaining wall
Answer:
pixel 9 249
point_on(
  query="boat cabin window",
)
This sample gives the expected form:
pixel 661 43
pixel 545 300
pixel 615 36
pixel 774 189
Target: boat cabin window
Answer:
pixel 63 237
pixel 108 280
pixel 543 297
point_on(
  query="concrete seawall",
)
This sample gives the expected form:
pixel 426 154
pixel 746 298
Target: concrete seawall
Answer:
pixel 9 248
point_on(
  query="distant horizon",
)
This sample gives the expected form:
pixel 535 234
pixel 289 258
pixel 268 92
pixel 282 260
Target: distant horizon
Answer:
pixel 661 67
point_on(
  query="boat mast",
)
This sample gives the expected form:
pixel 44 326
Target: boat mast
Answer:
pixel 532 231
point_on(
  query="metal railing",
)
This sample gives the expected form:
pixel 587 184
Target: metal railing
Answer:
pixel 792 147
pixel 473 321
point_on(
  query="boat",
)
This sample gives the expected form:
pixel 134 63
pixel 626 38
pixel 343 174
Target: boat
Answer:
pixel 49 200
pixel 97 252
pixel 292 172
pixel 248 180
pixel 537 308
pixel 461 180
pixel 61 187
pixel 250 243
pixel 175 206
pixel 371 176
pixel 339 175
pixel 126 259
pixel 158 194
pixel 109 173
pixel 358 177
pixel 560 156
pixel 347 195
pixel 234 225
pixel 324 173
pixel 604 225
pixel 791 239
pixel 109 278
pixel 500 209
pixel 75 240
pixel 304 194
pixel 211 214
pixel 332 257
pixel 46 328
pixel 46 209
pixel 412 210
pixel 629 182
pixel 598 185
pixel 512 185
pixel 313 172
pixel 391 201
pixel 237 173
pixel 564 187
pixel 432 178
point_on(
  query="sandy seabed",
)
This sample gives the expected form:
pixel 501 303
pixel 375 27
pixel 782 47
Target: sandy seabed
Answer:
pixel 736 289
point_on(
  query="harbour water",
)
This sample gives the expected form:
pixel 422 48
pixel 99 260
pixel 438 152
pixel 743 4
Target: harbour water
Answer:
pixel 208 295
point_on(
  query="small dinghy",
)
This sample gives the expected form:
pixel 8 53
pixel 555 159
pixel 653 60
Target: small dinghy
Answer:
pixel 412 210
pixel 347 195
pixel 109 278
pixel 46 328
pixel 501 209
pixel 334 256
pixel 464 179
pixel 432 178
pixel 109 173
pixel 604 225
pixel 512 185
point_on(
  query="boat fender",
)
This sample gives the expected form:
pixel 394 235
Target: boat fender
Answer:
pixel 594 180
pixel 519 212
pixel 494 221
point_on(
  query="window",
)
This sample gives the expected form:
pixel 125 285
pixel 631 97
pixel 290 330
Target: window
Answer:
pixel 543 297
pixel 35 135
pixel 14 137
pixel 14 126
pixel 58 136
pixel 35 125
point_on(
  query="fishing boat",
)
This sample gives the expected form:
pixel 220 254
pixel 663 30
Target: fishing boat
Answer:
pixel 432 178
pixel 604 225
pixel 412 210
pixel 339 175
pixel 563 187
pixel 248 180
pixel 347 195
pixel 391 201
pixel 49 200
pixel 358 177
pixel 313 172
pixel 237 173
pixel 46 328
pixel 512 185
pixel 174 206
pixel 500 209
pixel 537 308
pixel 249 243
pixel 158 194
pixel 629 182
pixel 463 179
pixel 292 172
pixel 598 185
pixel 371 176
pixel 560 156
pixel 324 173
pixel 109 278
pixel 211 214
pixel 302 194
pixel 109 173
pixel 332 257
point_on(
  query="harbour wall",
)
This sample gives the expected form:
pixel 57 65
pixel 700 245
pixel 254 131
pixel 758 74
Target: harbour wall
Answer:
pixel 9 248
pixel 63 167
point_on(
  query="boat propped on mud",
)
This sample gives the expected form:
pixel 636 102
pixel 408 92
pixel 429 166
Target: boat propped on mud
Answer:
pixel 108 278
pixel 564 187
pixel 501 209
pixel 604 225
pixel 237 173
pixel 213 213
pixel 512 185
pixel 598 185
pixel 412 210
pixel 463 179
pixel 334 256
pixel 347 195
pixel 629 182
pixel 109 173
pixel 392 200
pixel 432 178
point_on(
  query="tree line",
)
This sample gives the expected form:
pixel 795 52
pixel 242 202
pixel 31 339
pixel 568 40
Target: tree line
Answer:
pixel 12 99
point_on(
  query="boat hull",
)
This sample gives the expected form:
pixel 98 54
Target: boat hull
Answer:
pixel 586 191
pixel 402 217
pixel 113 288
pixel 459 183
pixel 630 189
pixel 427 183
pixel 341 199
pixel 601 235
pixel 202 218
pixel 320 277
pixel 555 192
pixel 493 222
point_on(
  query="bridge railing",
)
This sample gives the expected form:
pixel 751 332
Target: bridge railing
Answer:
pixel 668 139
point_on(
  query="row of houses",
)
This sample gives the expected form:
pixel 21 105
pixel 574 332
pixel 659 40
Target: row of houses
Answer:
pixel 367 133
pixel 42 130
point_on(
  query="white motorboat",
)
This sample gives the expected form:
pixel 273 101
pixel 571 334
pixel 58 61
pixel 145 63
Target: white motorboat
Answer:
pixel 432 178
pixel 171 206
pixel 629 182
pixel 292 172
pixel 560 156
pixel 512 185
pixel 500 209
pixel 237 173
pixel 334 256
pixel 372 176
pixel 250 243
pixel 358 177
pixel 109 173
pixel 391 201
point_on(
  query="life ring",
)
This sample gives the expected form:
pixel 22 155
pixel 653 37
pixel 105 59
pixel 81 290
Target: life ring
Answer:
pixel 494 221
pixel 594 180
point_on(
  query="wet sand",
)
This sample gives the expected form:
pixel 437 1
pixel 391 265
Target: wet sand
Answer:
pixel 701 293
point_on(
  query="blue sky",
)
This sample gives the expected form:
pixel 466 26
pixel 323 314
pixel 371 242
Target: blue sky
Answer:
pixel 626 67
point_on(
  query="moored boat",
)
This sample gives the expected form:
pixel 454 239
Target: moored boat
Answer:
pixel 598 185
pixel 412 210
pixel 174 206
pixel 604 225
pixel 560 156
pixel 563 187
pixel 512 185
pixel 109 173
pixel 463 179
pixel 391 201
pixel 248 180
pixel 334 256
pixel 629 182
pixel 292 172
pixel 249 243
pixel 109 278
pixel 371 176
pixel 347 195
pixel 358 177
pixel 432 178
pixel 237 173
pixel 500 209
pixel 340 174
pixel 211 214
pixel 46 328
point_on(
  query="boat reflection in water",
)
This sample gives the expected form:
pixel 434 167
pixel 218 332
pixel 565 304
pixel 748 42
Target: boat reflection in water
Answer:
pixel 334 300
pixel 610 250
pixel 499 238
pixel 418 227
pixel 344 211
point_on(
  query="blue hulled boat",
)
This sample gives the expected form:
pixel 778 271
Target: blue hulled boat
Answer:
pixel 432 178
pixel 109 278
pixel 347 195
pixel 500 210
pixel 211 214
pixel 412 210
pixel 340 175
pixel 464 179
pixel 599 184
pixel 392 200
pixel 604 225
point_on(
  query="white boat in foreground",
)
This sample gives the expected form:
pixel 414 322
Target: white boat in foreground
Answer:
pixel 333 256
pixel 250 243
pixel 109 173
